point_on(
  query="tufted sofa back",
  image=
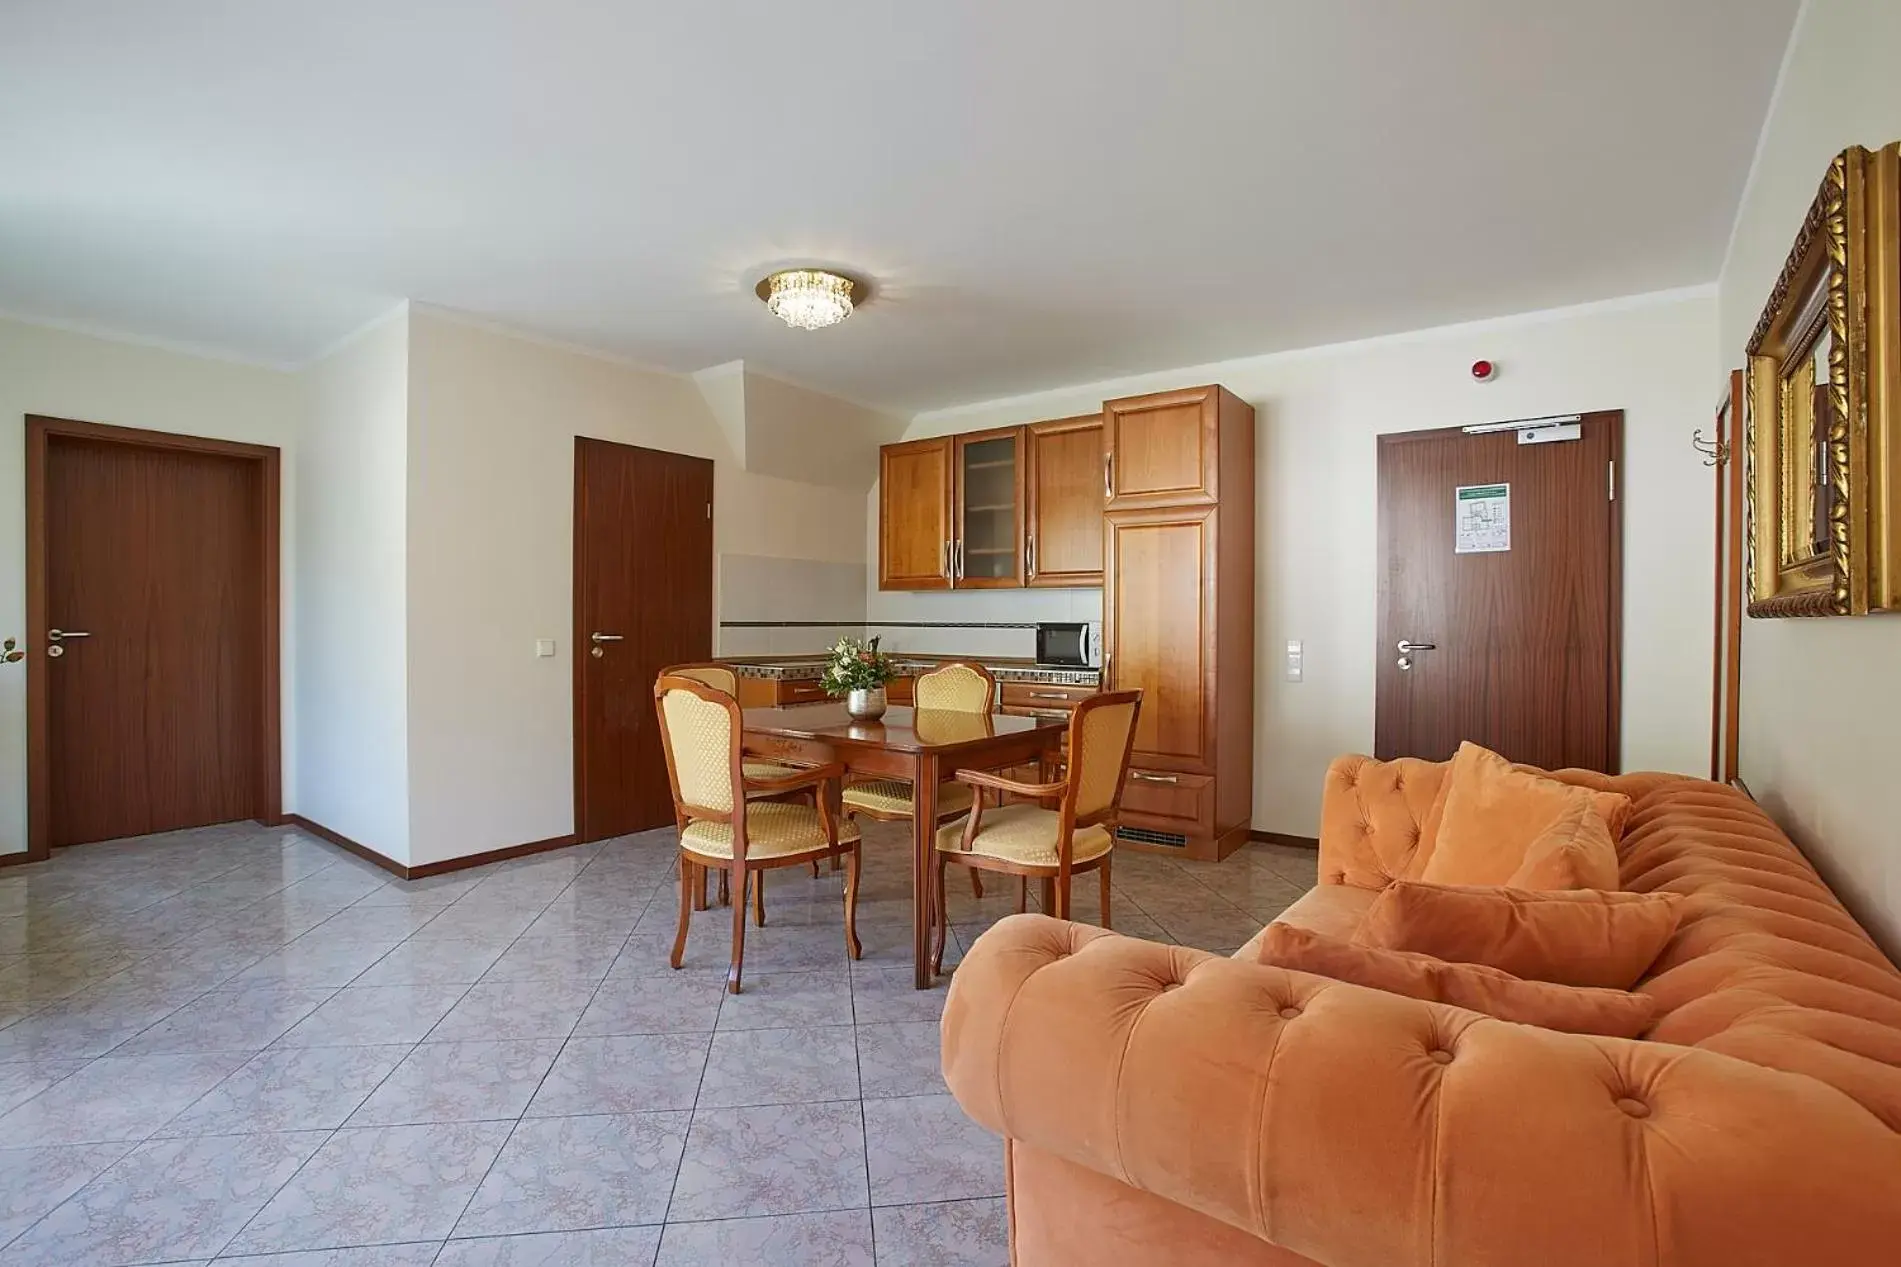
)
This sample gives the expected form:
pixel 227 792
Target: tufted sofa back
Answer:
pixel 1766 966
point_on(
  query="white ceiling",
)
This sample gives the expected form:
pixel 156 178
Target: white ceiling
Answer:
pixel 1040 191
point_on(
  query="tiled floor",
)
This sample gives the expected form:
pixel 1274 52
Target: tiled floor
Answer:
pixel 238 1044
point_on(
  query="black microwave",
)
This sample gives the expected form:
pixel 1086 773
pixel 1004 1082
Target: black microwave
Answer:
pixel 1068 646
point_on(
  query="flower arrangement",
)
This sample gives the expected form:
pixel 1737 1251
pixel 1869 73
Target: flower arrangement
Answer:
pixel 856 665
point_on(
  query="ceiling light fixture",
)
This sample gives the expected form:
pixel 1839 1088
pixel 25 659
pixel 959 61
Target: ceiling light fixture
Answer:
pixel 810 298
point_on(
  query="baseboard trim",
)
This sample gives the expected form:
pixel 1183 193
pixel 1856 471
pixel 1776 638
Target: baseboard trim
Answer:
pixel 1282 838
pixel 18 859
pixel 428 869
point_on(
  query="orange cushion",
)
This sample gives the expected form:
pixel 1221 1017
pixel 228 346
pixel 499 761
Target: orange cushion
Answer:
pixel 1467 985
pixel 1584 937
pixel 1492 812
pixel 1576 852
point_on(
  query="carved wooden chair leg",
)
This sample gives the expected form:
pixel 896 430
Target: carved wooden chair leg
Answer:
pixel 692 883
pixel 1104 871
pixel 854 860
pixel 700 875
pixel 938 922
pixel 739 935
pixel 1023 894
pixel 725 889
pixel 1062 900
pixel 759 899
pixel 976 882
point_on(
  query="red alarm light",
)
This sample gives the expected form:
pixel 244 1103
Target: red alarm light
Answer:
pixel 1484 371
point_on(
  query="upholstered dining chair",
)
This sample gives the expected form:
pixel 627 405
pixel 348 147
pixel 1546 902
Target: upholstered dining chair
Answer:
pixel 724 827
pixel 957 687
pixel 1071 828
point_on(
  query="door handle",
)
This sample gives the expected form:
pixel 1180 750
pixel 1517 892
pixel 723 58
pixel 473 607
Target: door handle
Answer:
pixel 1407 648
pixel 945 570
pixel 1049 695
pixel 54 635
pixel 1029 558
pixel 601 637
pixel 1108 476
pixel 1153 778
pixel 958 551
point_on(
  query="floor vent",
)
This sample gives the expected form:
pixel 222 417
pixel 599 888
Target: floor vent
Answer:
pixel 1142 835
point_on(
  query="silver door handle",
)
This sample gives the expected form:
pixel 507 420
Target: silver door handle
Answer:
pixel 946 569
pixel 1407 648
pixel 601 637
pixel 958 568
pixel 1050 695
pixel 1153 778
pixel 56 634
pixel 1029 558
pixel 1108 477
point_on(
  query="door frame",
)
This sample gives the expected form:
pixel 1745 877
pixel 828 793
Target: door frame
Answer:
pixel 1614 420
pixel 267 470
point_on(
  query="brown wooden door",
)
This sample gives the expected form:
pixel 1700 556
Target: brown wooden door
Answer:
pixel 1063 502
pixel 987 550
pixel 1161 450
pixel 643 599
pixel 1159 618
pixel 154 576
pixel 914 515
pixel 1523 654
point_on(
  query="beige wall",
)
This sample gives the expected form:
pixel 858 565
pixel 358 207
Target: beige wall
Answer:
pixel 66 375
pixel 1821 699
pixel 1318 412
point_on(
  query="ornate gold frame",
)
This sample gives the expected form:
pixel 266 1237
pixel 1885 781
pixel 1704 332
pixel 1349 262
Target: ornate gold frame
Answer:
pixel 1824 539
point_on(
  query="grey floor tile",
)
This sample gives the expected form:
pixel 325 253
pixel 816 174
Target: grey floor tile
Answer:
pixel 459 1082
pixel 88 1024
pixel 582 957
pixel 627 1073
pixel 289 1089
pixel 902 1058
pixel 439 960
pixel 116 1098
pixel 516 1009
pixel 378 1184
pixel 923 1148
pixel 34 1180
pixel 678 1003
pixel 360 1015
pixel 882 995
pixel 235 1018
pixel 780 1066
pixel 602 1247
pixel 943 1234
pixel 167 1199
pixel 305 962
pixel 414 1254
pixel 781 999
pixel 777 1159
pixel 21 1082
pixel 838 1238
pixel 569 1173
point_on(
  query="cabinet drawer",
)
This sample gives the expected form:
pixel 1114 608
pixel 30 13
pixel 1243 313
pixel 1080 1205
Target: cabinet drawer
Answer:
pixel 801 693
pixel 1037 710
pixel 1169 800
pixel 1042 695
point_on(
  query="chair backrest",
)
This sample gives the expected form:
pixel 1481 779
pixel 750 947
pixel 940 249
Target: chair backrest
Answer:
pixel 714 674
pixel 700 730
pixel 1101 734
pixel 958 687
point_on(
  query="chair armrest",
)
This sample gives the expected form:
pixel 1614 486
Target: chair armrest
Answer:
pixel 1361 1128
pixel 997 783
pixel 810 777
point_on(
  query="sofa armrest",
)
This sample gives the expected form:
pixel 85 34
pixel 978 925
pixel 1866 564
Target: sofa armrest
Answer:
pixel 1365 1129
pixel 1371 813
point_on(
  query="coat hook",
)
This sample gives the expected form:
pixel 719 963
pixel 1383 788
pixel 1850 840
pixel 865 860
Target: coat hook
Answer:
pixel 1715 452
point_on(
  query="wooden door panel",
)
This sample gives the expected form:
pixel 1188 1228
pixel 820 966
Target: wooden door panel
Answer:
pixel 153 718
pixel 644 572
pixel 988 501
pixel 1064 506
pixel 1159 622
pixel 914 515
pixel 1161 449
pixel 1524 657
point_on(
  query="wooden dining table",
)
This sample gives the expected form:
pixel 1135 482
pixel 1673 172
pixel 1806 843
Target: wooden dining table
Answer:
pixel 924 747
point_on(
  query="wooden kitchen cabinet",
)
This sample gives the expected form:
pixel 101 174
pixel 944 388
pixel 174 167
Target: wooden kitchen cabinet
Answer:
pixel 1063 496
pixel 915 483
pixel 1178 614
pixel 987 546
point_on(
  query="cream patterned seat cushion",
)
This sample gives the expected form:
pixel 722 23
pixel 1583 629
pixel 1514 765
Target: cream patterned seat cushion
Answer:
pixel 1024 834
pixel 774 829
pixel 893 797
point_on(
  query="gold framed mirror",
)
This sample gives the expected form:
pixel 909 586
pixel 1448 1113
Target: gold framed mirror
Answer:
pixel 1822 369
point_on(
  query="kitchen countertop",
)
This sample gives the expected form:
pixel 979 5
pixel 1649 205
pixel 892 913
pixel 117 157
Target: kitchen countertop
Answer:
pixel 802 669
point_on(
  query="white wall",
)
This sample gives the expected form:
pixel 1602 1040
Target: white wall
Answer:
pixel 351 671
pixel 1821 699
pixel 490 508
pixel 1318 412
pixel 67 375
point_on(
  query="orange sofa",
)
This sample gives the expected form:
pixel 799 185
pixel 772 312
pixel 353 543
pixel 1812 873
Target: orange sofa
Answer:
pixel 1164 1105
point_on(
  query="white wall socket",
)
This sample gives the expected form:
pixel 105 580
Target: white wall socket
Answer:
pixel 1293 659
pixel 544 647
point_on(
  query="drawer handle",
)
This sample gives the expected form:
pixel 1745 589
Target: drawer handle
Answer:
pixel 1049 695
pixel 1153 778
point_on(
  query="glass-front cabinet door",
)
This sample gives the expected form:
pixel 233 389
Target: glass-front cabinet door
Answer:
pixel 988 551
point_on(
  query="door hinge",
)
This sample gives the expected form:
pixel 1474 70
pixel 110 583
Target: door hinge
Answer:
pixel 1611 466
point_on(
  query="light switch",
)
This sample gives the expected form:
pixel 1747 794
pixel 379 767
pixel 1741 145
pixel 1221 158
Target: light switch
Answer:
pixel 544 647
pixel 1293 659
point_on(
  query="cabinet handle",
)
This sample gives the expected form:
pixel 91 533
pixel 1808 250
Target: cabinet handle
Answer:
pixel 1153 778
pixel 1029 558
pixel 944 569
pixel 957 552
pixel 1049 695
pixel 1108 476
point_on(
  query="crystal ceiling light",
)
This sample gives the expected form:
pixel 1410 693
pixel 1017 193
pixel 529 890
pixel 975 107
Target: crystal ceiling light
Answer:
pixel 810 298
